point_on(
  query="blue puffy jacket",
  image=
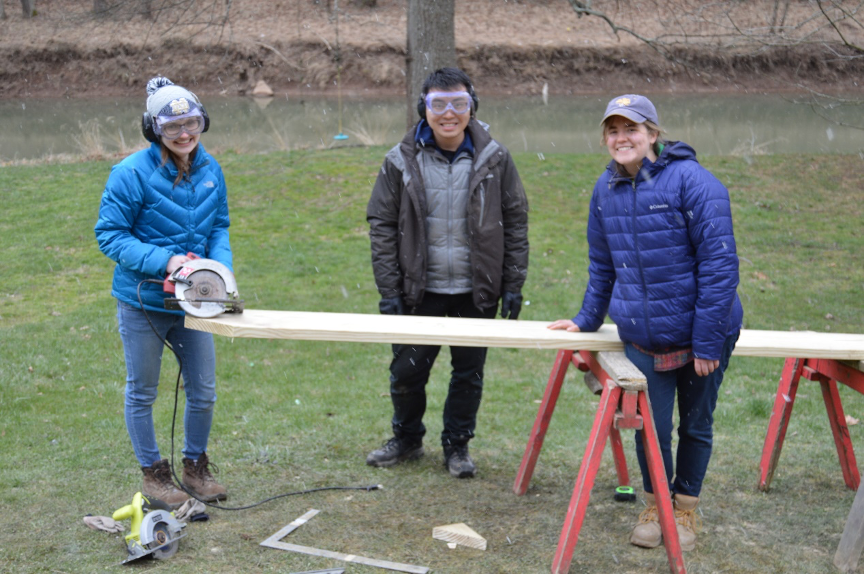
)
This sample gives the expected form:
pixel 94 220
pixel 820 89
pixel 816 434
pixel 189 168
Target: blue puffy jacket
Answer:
pixel 144 219
pixel 662 256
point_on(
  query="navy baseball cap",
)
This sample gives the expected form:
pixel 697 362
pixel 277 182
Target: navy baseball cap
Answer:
pixel 633 107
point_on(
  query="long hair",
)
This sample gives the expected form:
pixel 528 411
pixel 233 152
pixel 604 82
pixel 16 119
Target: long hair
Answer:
pixel 184 169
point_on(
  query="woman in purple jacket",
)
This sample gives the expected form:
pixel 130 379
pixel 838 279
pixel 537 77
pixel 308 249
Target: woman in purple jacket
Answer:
pixel 663 265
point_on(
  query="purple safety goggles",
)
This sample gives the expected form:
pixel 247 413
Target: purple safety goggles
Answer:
pixel 440 102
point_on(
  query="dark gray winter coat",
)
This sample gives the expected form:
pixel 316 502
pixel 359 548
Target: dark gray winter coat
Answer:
pixel 497 222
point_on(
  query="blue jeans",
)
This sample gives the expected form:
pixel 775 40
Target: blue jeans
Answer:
pixel 697 398
pixel 143 351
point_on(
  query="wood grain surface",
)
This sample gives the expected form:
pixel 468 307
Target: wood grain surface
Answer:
pixel 369 328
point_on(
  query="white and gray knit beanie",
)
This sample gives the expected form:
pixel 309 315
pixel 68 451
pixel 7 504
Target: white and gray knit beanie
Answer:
pixel 167 99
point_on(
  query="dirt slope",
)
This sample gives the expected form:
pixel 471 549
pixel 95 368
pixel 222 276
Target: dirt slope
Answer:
pixel 508 46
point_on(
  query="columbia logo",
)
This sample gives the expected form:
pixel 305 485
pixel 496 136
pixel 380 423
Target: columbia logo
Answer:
pixel 209 184
pixel 657 206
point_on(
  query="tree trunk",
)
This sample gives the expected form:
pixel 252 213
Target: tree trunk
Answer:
pixel 2 10
pixel 431 45
pixel 147 9
pixel 100 7
pixel 27 7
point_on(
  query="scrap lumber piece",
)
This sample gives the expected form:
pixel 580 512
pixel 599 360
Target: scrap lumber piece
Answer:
pixel 461 534
pixel 371 328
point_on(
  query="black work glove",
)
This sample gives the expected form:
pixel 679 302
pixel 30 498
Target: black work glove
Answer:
pixel 391 306
pixel 511 304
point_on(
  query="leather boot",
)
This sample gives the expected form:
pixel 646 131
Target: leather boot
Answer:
pixel 159 484
pixel 647 532
pixel 687 521
pixel 198 479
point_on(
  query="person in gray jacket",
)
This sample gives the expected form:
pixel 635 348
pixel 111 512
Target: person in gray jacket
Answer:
pixel 448 223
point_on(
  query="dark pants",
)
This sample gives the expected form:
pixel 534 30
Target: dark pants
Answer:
pixel 697 398
pixel 409 373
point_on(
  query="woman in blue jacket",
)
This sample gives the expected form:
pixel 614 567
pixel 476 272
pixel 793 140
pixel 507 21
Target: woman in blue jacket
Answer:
pixel 160 204
pixel 662 263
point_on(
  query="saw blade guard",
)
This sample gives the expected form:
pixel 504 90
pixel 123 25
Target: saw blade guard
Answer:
pixel 205 288
pixel 160 533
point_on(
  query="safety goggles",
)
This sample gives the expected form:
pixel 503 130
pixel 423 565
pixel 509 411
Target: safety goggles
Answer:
pixel 172 127
pixel 440 102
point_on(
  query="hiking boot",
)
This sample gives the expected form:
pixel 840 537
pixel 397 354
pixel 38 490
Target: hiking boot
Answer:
pixel 158 484
pixel 458 462
pixel 647 532
pixel 396 450
pixel 199 481
pixel 687 521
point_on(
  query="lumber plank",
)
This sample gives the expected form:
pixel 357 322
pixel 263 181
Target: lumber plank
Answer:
pixel 375 328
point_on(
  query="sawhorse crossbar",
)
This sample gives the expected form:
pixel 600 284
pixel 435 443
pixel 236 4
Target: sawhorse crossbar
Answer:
pixel 827 372
pixel 623 404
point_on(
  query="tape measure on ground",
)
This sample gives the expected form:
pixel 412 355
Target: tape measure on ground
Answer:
pixel 625 493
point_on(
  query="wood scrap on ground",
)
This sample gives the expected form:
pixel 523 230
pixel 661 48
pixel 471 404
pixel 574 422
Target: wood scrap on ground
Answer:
pixel 460 534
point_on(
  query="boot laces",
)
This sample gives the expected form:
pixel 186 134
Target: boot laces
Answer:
pixel 203 466
pixel 649 515
pixel 162 475
pixel 689 519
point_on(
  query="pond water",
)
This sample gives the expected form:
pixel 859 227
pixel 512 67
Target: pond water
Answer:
pixel 712 124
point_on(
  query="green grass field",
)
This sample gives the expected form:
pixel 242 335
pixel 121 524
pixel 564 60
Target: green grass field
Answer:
pixel 296 415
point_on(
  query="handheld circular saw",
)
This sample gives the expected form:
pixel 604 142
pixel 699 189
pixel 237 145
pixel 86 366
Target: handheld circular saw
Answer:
pixel 154 529
pixel 204 288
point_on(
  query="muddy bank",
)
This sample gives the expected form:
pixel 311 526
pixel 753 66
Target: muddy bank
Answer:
pixel 59 69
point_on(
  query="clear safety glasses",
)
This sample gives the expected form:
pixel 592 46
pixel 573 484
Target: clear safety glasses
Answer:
pixel 172 127
pixel 440 102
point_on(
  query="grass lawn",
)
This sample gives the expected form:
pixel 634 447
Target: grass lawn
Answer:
pixel 297 415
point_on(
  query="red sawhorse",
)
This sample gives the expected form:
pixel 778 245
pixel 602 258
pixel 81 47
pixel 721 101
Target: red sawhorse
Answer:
pixel 624 404
pixel 828 372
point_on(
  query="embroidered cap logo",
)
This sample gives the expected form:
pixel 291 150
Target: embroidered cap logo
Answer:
pixel 623 101
pixel 179 106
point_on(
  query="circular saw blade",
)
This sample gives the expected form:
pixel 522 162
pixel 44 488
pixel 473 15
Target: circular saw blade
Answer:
pixel 205 284
pixel 161 535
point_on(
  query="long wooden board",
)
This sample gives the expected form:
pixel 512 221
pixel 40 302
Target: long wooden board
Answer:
pixel 374 328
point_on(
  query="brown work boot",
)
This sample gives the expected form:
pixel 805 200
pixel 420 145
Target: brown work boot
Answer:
pixel 198 479
pixel 647 532
pixel 159 484
pixel 687 521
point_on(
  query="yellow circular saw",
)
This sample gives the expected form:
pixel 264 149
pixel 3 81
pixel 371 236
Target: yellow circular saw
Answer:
pixel 154 529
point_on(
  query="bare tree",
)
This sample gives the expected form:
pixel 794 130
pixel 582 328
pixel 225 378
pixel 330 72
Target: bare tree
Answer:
pixel 27 7
pixel 731 24
pixel 193 16
pixel 731 28
pixel 431 45
pixel 2 10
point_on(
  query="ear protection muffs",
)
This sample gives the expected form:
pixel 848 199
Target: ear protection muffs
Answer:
pixel 148 126
pixel 475 103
